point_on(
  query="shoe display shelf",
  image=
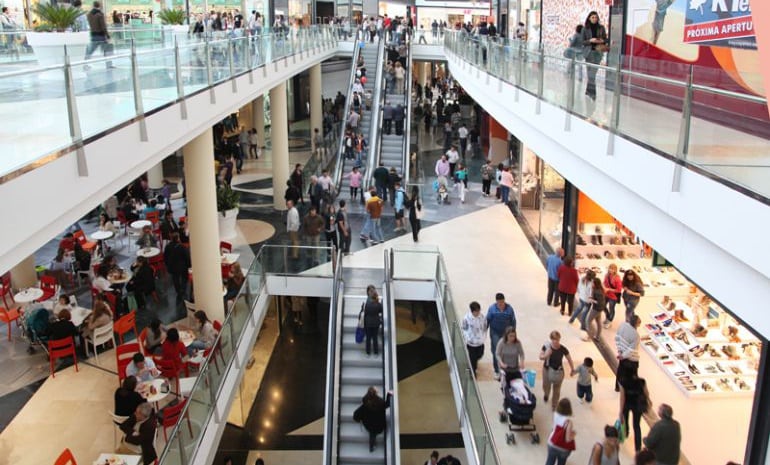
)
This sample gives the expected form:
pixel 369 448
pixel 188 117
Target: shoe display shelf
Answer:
pixel 658 281
pixel 708 366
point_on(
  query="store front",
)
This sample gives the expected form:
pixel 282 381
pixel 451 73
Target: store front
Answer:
pixel 451 12
pixel 695 354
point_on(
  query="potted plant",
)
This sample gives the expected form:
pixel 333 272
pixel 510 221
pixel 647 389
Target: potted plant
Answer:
pixel 174 19
pixel 227 206
pixel 57 32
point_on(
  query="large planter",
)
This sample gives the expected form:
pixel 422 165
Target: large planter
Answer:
pixel 227 223
pixel 179 32
pixel 49 46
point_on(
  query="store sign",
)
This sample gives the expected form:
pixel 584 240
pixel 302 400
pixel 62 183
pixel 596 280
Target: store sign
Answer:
pixel 725 23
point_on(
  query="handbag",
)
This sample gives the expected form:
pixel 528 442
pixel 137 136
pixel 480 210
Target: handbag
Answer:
pixel 559 437
pixel 360 334
pixel 602 48
pixel 418 212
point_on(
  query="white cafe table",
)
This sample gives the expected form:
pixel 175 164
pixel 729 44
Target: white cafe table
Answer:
pixel 229 258
pixel 27 296
pixel 148 252
pixel 102 235
pixel 118 459
pixel 143 388
pixel 139 224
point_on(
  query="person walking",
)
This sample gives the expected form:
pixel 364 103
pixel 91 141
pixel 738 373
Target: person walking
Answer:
pixel 506 183
pixel 627 345
pixel 584 294
pixel 553 354
pixel 606 452
pixel 596 308
pixel 372 316
pixel 561 441
pixel 374 209
pixel 371 414
pixel 575 50
pixel 568 283
pixel 633 290
pixel 613 287
pixel 398 119
pixel 415 212
pixel 292 227
pixel 387 118
pixel 510 353
pixel 474 326
pixel 399 203
pixel 665 437
pixel 355 183
pixel 253 144
pixel 381 175
pixel 552 264
pixel 312 225
pixel 100 36
pixel 487 174
pixel 594 45
pixel 462 134
pixel 177 260
pixel 634 399
pixel 297 180
pixel 343 227
pixel 500 316
pixel 461 181
pixel 584 372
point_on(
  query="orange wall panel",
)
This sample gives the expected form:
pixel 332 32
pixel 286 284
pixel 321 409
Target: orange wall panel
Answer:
pixel 590 211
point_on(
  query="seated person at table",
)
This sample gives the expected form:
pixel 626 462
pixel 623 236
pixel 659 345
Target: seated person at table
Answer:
pixel 128 210
pixel 151 207
pixel 68 242
pixel 206 334
pixel 63 328
pixel 101 282
pixel 60 266
pixel 156 334
pixel 143 368
pixel 172 349
pixel 140 432
pixel 142 282
pixel 147 239
pixel 82 258
pixel 168 225
pixel 105 224
pixel 126 397
pixel 62 303
pixel 234 281
pixel 100 316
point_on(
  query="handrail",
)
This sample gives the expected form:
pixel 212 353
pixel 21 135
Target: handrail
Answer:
pixel 375 127
pixel 331 415
pixel 390 367
pixel 338 168
pixel 406 161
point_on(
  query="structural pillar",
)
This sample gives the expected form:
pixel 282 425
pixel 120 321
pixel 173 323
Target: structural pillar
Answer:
pixel 279 138
pixel 155 176
pixel 421 73
pixel 316 102
pixel 258 119
pixel 203 225
pixel 23 275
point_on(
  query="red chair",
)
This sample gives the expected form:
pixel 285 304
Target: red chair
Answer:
pixel 61 348
pixel 169 370
pixel 87 245
pixel 49 286
pixel 66 458
pixel 7 294
pixel 152 217
pixel 218 347
pixel 226 267
pixel 124 354
pixel 157 264
pixel 126 324
pixel 171 416
pixel 8 316
pixel 225 247
pixel 143 341
pixel 112 301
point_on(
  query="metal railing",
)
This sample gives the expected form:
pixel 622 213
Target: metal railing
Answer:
pixel 340 163
pixel 390 369
pixel 694 132
pixel 331 413
pixel 426 264
pixel 150 79
pixel 375 128
pixel 406 163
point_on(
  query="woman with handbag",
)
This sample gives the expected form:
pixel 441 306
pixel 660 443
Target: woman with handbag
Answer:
pixel 634 398
pixel 415 211
pixel 561 441
pixel 594 46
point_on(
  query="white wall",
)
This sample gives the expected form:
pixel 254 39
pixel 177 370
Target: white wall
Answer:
pixel 714 234
pixel 45 201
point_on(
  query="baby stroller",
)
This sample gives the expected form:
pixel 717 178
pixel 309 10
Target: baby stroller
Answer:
pixel 37 321
pixel 440 187
pixel 519 405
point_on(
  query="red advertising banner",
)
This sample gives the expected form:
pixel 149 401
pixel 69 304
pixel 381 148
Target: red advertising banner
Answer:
pixel 724 29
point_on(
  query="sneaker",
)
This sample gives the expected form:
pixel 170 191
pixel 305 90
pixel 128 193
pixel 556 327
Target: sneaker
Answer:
pixel 497 375
pixel 580 400
pixel 545 398
pixel 607 324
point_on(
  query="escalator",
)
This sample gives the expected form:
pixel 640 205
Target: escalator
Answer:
pixel 372 54
pixel 393 148
pixel 352 372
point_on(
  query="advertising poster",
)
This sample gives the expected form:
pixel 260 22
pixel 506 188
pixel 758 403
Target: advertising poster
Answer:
pixel 560 19
pixel 725 23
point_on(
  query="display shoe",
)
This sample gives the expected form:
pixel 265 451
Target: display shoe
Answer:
pixel 724 383
pixel 671 306
pixel 666 300
pixel 668 348
pixel 580 240
pixel 711 369
pixel 719 367
pixel 741 384
pixel 600 240
pixel 593 240
pixel 608 254
pixel 621 254
pixel 682 336
pixel 693 369
pixel 736 370
pixel 706 387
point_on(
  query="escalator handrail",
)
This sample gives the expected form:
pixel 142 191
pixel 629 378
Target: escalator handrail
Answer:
pixel 338 167
pixel 390 369
pixel 375 129
pixel 331 426
pixel 406 161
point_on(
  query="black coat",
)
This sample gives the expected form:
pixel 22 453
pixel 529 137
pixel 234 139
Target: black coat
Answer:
pixel 372 314
pixel 372 414
pixel 177 258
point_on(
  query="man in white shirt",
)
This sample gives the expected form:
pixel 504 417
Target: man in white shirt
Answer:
pixel 143 368
pixel 627 343
pixel 353 119
pixel 292 227
pixel 453 157
pixel 462 132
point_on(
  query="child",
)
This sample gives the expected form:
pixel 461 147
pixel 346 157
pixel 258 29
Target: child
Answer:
pixel 585 371
pixel 461 181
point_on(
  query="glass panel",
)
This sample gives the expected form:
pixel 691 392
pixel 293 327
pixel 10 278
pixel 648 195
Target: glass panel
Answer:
pixel 218 56
pixel 157 78
pixel 105 97
pixel 417 263
pixel 192 60
pixel 305 260
pixel 557 81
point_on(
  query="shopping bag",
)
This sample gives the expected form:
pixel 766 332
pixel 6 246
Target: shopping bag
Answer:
pixel 530 375
pixel 360 335
pixel 622 430
pixel 361 44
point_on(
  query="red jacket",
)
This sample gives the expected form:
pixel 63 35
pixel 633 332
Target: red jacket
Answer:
pixel 568 279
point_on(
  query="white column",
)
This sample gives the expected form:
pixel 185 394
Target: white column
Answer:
pixel 279 138
pixel 24 274
pixel 203 225
pixel 155 176
pixel 420 72
pixel 258 117
pixel 316 102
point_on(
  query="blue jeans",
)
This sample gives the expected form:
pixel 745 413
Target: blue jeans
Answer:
pixel 611 309
pixel 195 345
pixel 504 192
pixel 557 456
pixel 630 306
pixel 580 312
pixel 585 391
pixel 377 230
pixel 367 227
pixel 494 338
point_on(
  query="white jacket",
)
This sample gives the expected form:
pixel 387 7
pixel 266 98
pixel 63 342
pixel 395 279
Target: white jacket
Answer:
pixel 585 290
pixel 474 329
pixel 627 342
